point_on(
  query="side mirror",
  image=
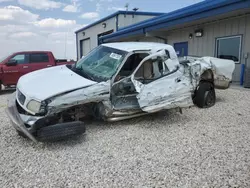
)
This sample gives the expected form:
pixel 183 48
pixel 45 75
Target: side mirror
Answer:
pixel 11 62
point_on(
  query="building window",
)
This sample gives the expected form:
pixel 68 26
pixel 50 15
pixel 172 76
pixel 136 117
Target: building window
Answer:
pixel 229 48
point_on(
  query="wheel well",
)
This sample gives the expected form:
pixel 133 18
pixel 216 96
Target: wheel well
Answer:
pixel 207 76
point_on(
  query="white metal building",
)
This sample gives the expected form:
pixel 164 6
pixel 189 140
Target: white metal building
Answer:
pixel 219 28
pixel 87 38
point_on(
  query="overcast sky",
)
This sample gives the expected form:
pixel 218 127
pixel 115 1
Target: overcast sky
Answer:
pixel 50 24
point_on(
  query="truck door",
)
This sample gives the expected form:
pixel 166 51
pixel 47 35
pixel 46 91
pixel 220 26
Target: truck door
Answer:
pixel 12 72
pixel 40 61
pixel 160 84
pixel 123 94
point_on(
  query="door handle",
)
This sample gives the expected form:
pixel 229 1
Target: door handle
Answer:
pixel 49 65
pixel 25 67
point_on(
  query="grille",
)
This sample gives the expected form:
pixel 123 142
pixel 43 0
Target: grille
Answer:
pixel 21 97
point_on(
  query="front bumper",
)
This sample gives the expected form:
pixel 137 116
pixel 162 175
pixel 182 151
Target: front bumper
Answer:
pixel 16 119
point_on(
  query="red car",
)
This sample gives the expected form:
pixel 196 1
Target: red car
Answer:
pixel 18 64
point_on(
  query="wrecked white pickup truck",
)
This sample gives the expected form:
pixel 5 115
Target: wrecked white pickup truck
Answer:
pixel 115 81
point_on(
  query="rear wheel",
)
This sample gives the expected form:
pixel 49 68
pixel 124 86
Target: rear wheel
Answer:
pixel 60 131
pixel 205 95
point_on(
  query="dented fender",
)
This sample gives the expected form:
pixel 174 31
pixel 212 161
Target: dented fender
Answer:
pixel 95 93
pixel 222 70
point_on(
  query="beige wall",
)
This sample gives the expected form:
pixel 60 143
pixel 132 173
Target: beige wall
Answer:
pixel 130 20
pixel 205 46
pixel 151 39
pixel 92 32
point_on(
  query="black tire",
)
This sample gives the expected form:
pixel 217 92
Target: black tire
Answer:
pixel 60 131
pixel 205 95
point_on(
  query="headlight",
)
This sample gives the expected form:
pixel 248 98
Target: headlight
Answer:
pixel 34 106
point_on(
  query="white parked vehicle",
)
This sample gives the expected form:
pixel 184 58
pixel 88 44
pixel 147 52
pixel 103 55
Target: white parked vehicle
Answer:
pixel 116 81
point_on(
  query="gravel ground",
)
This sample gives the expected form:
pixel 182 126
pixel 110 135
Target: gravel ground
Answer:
pixel 199 148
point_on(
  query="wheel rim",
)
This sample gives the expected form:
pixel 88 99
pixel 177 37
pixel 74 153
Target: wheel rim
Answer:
pixel 210 98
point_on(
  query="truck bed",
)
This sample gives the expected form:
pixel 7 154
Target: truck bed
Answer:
pixel 222 68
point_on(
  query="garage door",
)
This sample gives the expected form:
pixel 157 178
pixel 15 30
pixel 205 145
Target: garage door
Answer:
pixel 85 47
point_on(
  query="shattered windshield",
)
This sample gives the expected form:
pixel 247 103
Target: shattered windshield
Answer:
pixel 101 63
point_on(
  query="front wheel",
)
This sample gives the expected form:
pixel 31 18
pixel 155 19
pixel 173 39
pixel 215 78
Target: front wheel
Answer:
pixel 205 95
pixel 60 131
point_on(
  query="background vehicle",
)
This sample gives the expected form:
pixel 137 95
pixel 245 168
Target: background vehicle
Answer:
pixel 115 81
pixel 18 64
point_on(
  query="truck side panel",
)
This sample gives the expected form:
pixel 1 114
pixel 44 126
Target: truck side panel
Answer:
pixel 222 69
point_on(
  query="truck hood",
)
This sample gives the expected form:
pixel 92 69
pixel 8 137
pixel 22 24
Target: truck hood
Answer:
pixel 48 82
